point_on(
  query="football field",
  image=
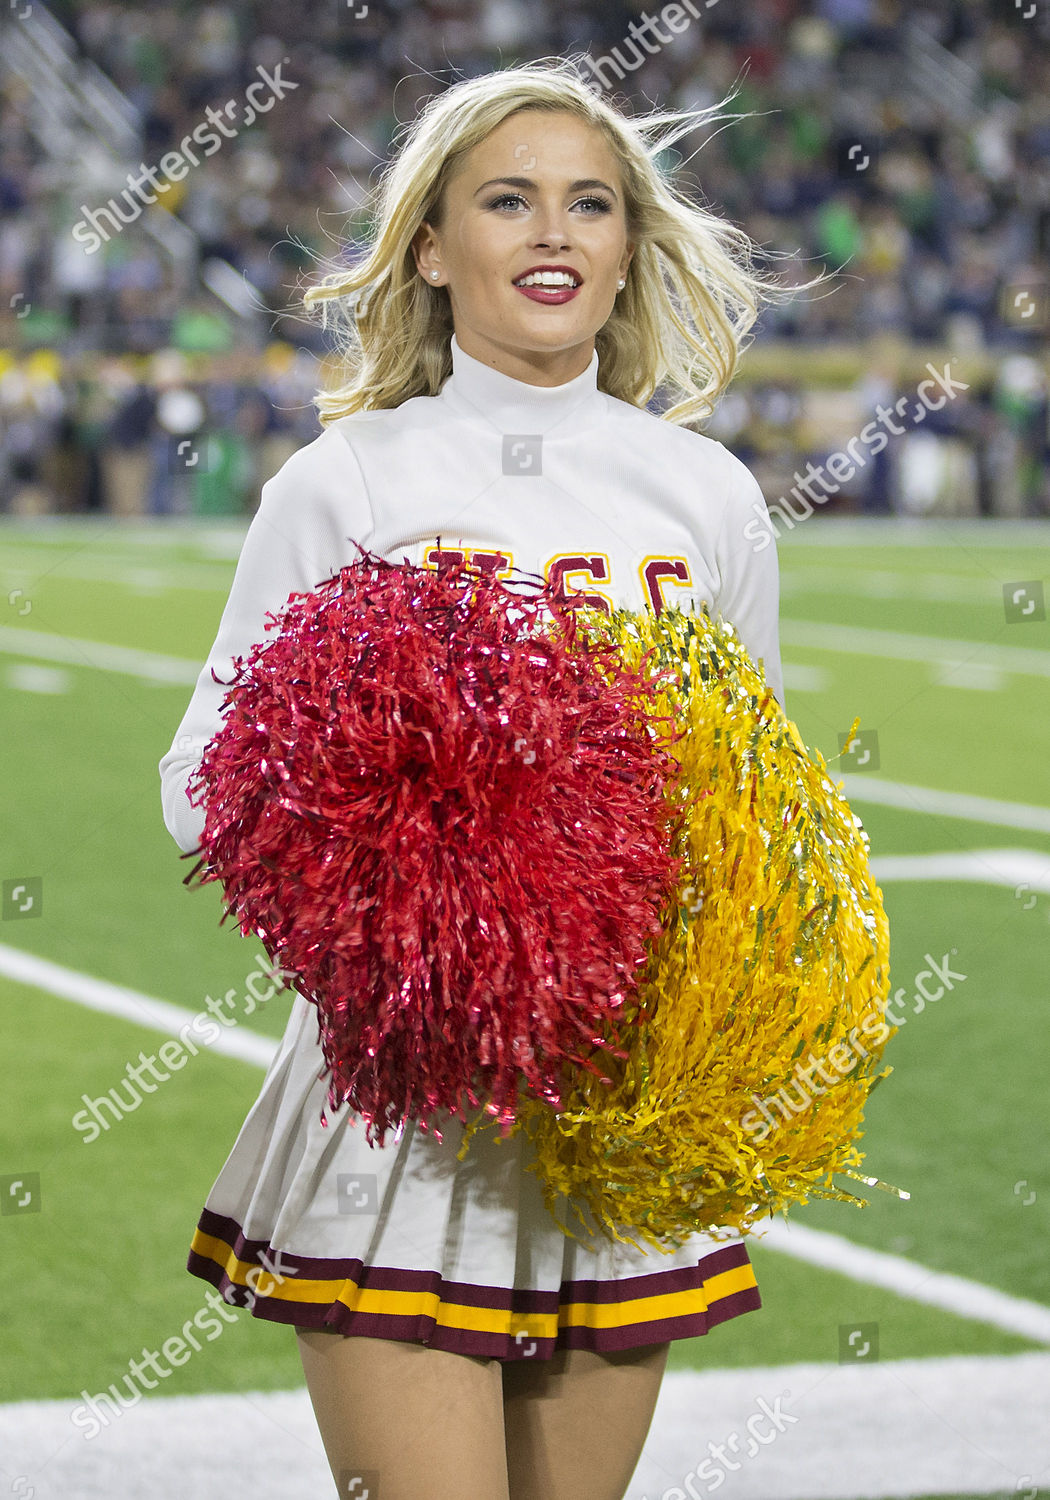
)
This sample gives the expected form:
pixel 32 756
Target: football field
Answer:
pixel 913 1337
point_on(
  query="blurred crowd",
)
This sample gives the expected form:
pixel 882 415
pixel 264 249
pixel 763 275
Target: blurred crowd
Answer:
pixel 907 148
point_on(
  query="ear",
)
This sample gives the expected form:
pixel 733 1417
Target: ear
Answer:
pixel 424 249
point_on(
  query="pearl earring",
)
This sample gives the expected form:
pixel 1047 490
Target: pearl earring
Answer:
pixel 434 275
pixel 621 284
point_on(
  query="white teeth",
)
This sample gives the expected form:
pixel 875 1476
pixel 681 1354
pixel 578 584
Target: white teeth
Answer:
pixel 547 278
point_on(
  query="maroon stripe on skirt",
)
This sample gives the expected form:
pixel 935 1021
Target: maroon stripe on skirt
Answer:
pixel 422 1328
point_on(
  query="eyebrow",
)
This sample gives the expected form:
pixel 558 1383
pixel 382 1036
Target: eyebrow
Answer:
pixel 529 182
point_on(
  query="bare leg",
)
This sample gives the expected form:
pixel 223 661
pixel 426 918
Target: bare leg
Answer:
pixel 416 1421
pixel 576 1424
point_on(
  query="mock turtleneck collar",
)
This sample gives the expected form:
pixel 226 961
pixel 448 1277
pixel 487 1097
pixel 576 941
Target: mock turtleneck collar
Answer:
pixel 514 405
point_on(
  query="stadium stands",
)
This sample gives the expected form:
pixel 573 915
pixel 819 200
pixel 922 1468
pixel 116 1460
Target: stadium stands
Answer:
pixel 150 365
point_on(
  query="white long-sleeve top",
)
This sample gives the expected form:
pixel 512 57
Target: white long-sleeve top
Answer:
pixel 563 481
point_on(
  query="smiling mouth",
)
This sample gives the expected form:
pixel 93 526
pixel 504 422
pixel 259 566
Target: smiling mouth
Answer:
pixel 551 281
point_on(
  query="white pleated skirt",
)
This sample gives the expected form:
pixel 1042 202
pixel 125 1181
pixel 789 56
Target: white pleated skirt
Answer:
pixel 309 1225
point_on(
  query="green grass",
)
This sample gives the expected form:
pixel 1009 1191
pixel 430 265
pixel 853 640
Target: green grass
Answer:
pixel 101 1268
pixel 102 1265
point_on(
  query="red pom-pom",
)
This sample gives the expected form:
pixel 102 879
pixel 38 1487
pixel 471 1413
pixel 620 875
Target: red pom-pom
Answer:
pixel 441 805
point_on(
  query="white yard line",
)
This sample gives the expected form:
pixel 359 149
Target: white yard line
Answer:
pixel 1020 870
pixel 906 1278
pixel 963 805
pixel 129 1005
pixel 917 532
pixel 883 1429
pixel 153 666
pixel 804 678
pixel 861 640
pixel 881 583
pixel 222 538
pixel 129 571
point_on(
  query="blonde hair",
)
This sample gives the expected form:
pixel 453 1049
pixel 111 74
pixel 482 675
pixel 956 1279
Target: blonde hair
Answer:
pixel 691 294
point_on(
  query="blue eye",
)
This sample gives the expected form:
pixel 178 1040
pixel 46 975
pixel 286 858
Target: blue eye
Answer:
pixel 602 204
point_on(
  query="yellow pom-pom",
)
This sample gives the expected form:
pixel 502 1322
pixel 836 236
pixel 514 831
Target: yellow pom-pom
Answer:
pixel 762 1006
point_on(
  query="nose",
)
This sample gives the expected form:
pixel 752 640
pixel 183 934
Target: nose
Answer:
pixel 550 231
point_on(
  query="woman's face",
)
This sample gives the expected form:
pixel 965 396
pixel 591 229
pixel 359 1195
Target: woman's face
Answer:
pixel 542 189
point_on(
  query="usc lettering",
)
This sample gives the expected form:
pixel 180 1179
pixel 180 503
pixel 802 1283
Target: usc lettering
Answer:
pixel 653 569
pixel 565 568
pixel 476 557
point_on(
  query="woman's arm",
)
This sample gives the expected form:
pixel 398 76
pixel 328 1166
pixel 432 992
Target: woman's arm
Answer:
pixel 309 514
pixel 749 591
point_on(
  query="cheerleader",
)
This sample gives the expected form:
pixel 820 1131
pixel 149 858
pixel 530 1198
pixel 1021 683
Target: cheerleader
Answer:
pixel 533 279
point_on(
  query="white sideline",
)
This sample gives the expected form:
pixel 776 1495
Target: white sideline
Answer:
pixel 152 666
pixel 1018 869
pixel 957 1294
pixel 882 1429
pixel 859 787
pixel 129 1005
pixel 863 640
pixel 907 1278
